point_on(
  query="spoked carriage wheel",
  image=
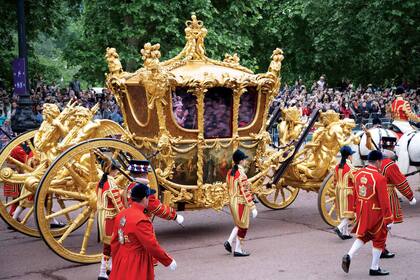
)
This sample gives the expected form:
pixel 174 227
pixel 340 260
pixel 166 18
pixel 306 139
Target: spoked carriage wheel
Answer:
pixel 281 198
pixel 13 194
pixel 26 222
pixel 327 201
pixel 73 178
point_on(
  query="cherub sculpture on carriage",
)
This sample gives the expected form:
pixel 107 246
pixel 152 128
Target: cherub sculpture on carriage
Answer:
pixel 187 115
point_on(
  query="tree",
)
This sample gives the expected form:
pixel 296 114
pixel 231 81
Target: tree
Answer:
pixel 366 41
pixel 42 16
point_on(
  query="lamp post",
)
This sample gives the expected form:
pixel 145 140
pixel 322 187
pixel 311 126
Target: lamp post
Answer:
pixel 24 119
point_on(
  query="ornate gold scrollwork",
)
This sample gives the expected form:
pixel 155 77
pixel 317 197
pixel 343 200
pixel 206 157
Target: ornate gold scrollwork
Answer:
pixel 216 195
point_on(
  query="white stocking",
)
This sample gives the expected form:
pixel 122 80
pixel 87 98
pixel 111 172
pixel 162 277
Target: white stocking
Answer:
pixel 356 246
pixel 347 231
pixel 233 235
pixel 376 254
pixel 344 222
pixel 18 211
pixel 238 247
pixel 102 269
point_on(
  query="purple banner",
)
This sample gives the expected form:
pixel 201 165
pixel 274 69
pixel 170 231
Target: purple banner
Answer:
pixel 19 78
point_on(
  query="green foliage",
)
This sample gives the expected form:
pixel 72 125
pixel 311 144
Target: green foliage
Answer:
pixel 366 41
pixel 42 16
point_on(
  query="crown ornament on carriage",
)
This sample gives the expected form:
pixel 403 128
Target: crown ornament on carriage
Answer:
pixel 194 49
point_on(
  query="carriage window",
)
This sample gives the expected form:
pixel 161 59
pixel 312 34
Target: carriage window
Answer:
pixel 218 113
pixel 247 107
pixel 184 108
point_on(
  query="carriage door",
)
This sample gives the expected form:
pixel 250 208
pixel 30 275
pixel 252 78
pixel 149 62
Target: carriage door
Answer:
pixel 218 103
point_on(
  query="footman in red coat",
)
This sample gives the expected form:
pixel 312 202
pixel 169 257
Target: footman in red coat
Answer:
pixel 373 213
pixel 133 244
pixel 395 180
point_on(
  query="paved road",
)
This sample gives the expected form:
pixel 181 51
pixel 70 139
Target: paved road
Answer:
pixel 290 244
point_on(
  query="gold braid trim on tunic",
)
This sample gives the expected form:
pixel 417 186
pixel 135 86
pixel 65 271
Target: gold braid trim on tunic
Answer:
pixel 343 191
pixel 237 199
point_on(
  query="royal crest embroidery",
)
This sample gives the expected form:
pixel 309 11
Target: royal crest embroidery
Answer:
pixel 123 221
pixel 362 190
pixel 121 238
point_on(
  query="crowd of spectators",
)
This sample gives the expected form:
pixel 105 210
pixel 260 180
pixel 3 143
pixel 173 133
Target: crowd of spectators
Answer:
pixel 350 101
pixel 51 93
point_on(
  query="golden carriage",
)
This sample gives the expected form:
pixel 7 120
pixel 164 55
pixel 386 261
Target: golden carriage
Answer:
pixel 187 115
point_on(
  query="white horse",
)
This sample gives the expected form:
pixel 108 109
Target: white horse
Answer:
pixel 362 151
pixel 408 151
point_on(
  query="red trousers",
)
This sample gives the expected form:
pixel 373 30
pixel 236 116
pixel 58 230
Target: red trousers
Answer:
pixel 242 232
pixel 378 239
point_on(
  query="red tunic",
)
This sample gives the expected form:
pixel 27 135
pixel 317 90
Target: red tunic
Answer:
pixel 345 190
pixel 373 211
pixel 155 207
pixel 132 260
pixel 241 199
pixel 11 189
pixel 398 109
pixel 395 180
pixel 111 201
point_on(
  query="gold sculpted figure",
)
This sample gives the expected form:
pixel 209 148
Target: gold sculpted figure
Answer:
pixel 113 59
pixel 291 125
pixel 318 156
pixel 52 130
pixel 82 128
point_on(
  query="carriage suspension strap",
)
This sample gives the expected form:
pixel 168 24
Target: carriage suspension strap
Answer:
pixel 5 133
pixel 412 173
pixel 314 117
pixel 274 118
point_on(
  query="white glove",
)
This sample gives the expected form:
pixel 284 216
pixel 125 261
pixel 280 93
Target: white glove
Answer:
pixel 173 265
pixel 389 226
pixel 254 213
pixel 413 201
pixel 179 219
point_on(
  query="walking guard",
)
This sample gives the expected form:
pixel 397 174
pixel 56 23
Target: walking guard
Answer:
pixel 134 244
pixel 402 113
pixel 241 204
pixel 395 180
pixel 109 205
pixel 345 192
pixel 139 170
pixel 373 213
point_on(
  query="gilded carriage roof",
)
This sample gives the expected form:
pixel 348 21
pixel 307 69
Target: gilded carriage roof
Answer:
pixel 191 63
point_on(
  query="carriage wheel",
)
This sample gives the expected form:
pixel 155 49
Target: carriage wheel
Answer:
pixel 281 198
pixel 327 201
pixel 73 178
pixel 8 201
pixel 26 223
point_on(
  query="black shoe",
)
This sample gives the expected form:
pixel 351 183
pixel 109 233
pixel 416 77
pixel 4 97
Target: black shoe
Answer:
pixel 345 237
pixel 228 247
pixel 387 254
pixel 378 272
pixel 339 233
pixel 239 254
pixel 345 264
pixel 57 225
